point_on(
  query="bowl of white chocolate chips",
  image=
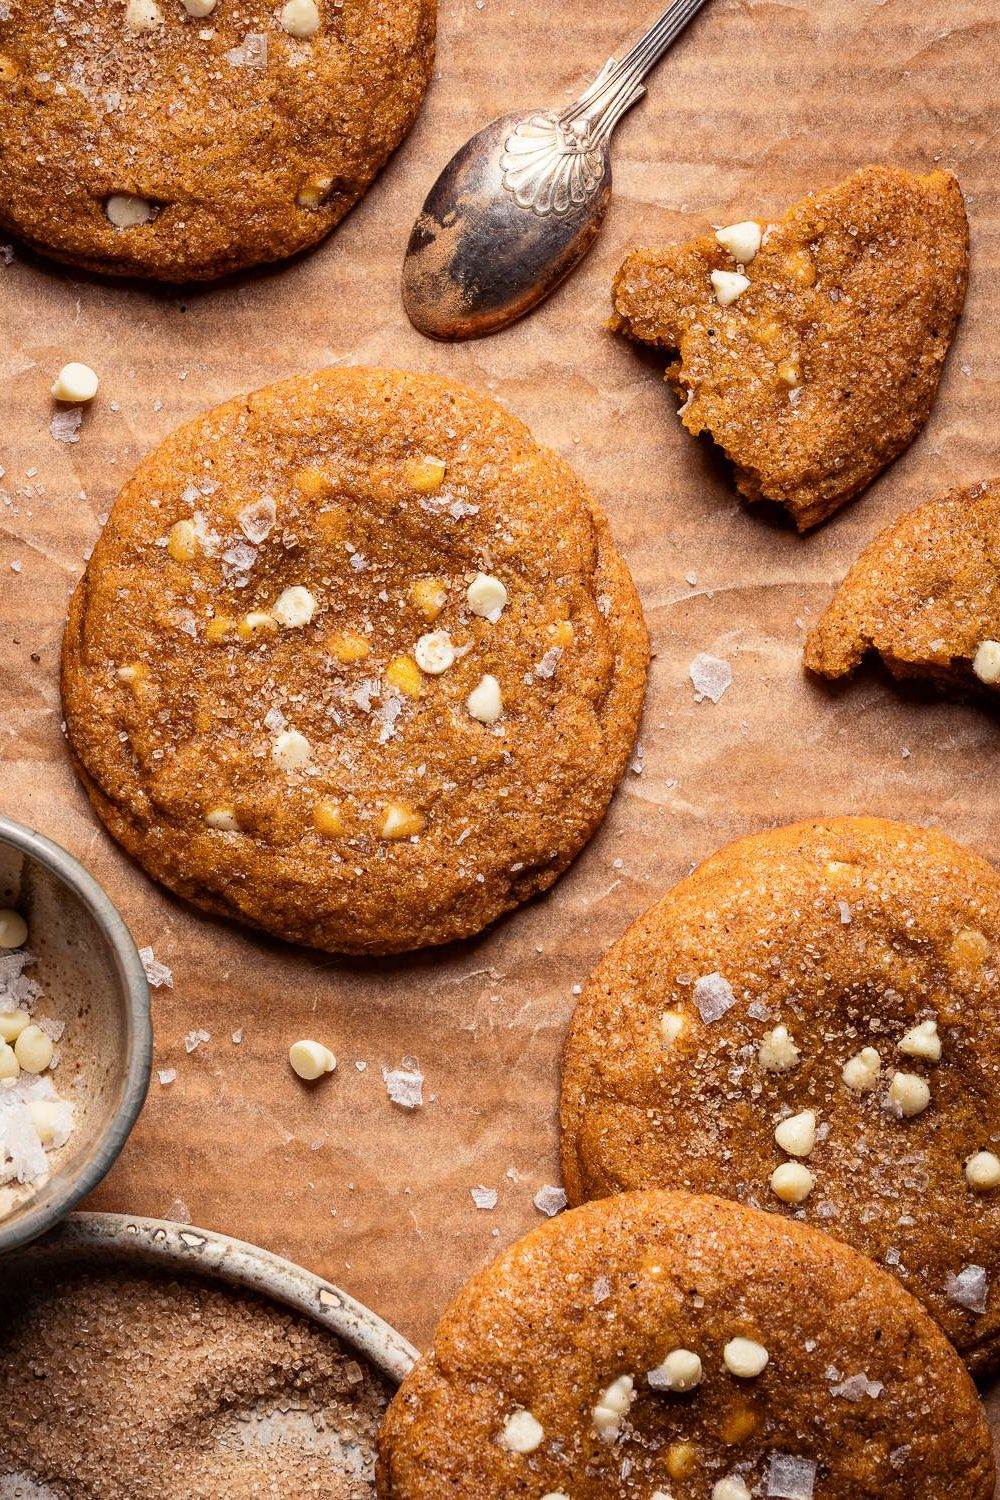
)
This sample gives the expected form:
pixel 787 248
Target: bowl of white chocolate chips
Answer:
pixel 75 1034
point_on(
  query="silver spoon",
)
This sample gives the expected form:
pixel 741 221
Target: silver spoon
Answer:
pixel 521 203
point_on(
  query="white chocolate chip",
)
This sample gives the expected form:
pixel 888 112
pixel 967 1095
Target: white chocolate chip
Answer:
pixel 792 1182
pixel 199 8
pixel 9 1065
pixel 613 1406
pixel 434 653
pixel 295 607
pixel 522 1433
pixel 860 1072
pixel 310 1060
pixel 672 1023
pixel 741 240
pixel 300 18
pixel 730 1488
pixel 797 1134
pixel 680 1371
pixel 33 1049
pixel 777 1052
pixel 126 211
pixel 910 1094
pixel 291 750
pixel 745 1358
pixel 922 1041
pixel 986 663
pixel 222 818
pixel 556 1495
pixel 487 597
pixel 728 286
pixel 484 702
pixel 13 929
pixel 143 15
pixel 75 382
pixel 12 1023
pixel 49 1119
pixel 982 1171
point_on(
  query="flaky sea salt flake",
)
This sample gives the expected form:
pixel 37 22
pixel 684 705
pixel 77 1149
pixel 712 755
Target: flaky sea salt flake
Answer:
pixel 790 1478
pixel 484 1197
pixel 711 677
pixel 550 1200
pixel 157 974
pixel 713 996
pixel 404 1086
pixel 969 1289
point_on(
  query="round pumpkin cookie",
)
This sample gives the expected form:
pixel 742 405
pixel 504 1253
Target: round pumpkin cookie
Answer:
pixel 659 1346
pixel 183 139
pixel 808 1024
pixel 354 661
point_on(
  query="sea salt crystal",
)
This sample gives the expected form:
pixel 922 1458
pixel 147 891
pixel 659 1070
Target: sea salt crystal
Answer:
pixel 602 1289
pixel 484 1197
pixel 22 1155
pixel 65 425
pixel 274 720
pixel 713 996
pixel 547 666
pixel 257 519
pixel 405 1087
pixel 711 677
pixel 550 1200
pixel 389 712
pixel 238 559
pixel 53 1029
pixel 194 1039
pixel 166 1076
pixel 969 1289
pixel 251 53
pixel 237 1037
pixel 845 913
pixel 460 508
pixel 158 974
pixel 856 1387
pixel 17 991
pixel 790 1478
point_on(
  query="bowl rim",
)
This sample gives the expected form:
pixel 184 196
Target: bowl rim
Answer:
pixel 163 1243
pixel 35 1218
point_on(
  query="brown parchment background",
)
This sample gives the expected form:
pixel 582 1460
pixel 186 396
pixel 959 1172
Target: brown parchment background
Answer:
pixel 760 102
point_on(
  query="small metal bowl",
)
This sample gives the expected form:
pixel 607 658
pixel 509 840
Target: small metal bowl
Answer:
pixel 92 979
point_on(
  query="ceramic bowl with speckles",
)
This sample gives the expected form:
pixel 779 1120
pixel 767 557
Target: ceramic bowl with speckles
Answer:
pixel 91 979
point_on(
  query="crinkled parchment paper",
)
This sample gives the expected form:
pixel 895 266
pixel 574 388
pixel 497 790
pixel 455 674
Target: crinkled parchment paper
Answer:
pixel 760 102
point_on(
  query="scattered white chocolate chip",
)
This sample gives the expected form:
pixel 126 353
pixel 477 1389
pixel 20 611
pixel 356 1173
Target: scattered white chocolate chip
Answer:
pixel 982 1171
pixel 522 1433
pixel 434 653
pixel 75 382
pixel 126 211
pixel 777 1052
pixel 860 1072
pixel 744 1358
pixel 485 702
pixel 12 1023
pixel 910 1094
pixel 672 1023
pixel 310 1060
pixel 487 597
pixel 49 1119
pixel 295 607
pixel 291 750
pixel 199 8
pixel 300 18
pixel 792 1182
pixel 143 15
pixel 741 240
pixel 922 1041
pixel 9 1065
pixel 681 1370
pixel 730 1488
pixel 222 818
pixel 613 1406
pixel 797 1134
pixel 13 929
pixel 33 1049
pixel 728 286
pixel 986 663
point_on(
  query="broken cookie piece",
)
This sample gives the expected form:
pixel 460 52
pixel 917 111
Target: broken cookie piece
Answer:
pixel 924 596
pixel 814 363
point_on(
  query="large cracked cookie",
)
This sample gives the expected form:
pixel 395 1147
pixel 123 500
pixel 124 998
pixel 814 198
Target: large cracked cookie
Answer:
pixel 808 1024
pixel 924 596
pixel 658 1346
pixel 810 349
pixel 356 661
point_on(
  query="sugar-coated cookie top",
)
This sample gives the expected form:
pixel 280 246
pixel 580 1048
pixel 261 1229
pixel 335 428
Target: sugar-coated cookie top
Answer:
pixel 808 1023
pixel 810 349
pixel 355 660
pixel 659 1345
pixel 181 139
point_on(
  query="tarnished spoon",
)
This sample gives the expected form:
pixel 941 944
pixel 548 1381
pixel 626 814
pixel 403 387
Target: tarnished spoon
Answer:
pixel 521 203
